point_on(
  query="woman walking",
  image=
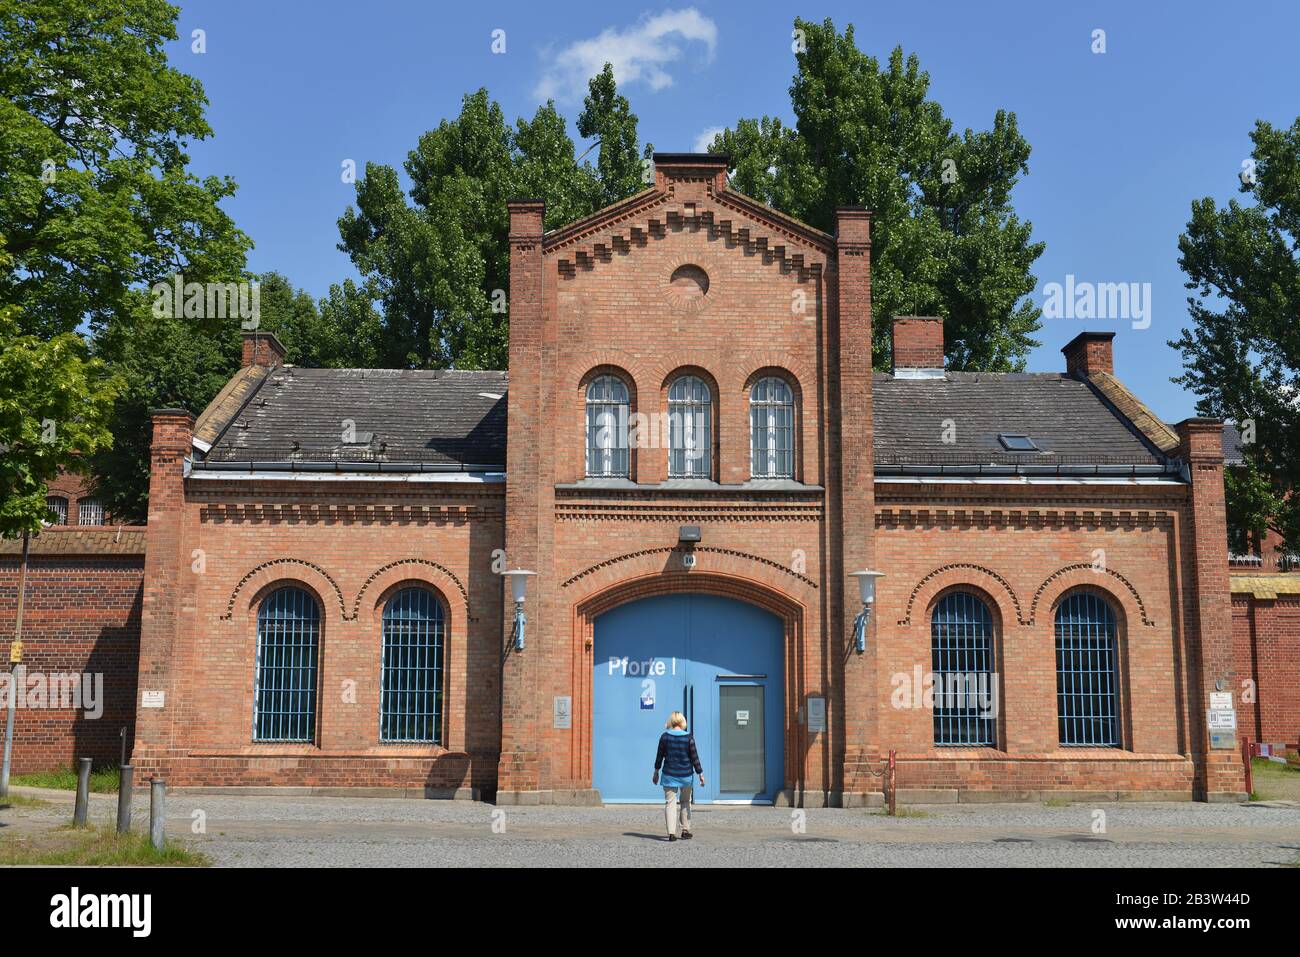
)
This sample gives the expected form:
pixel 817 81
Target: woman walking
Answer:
pixel 678 758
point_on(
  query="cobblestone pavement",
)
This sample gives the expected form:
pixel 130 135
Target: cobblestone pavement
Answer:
pixel 277 831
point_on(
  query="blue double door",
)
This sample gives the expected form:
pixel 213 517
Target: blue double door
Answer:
pixel 718 661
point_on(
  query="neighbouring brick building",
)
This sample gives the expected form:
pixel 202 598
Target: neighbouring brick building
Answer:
pixel 1265 628
pixel 693 455
pixel 81 618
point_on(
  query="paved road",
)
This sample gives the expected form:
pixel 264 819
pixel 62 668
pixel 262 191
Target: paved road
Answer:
pixel 358 832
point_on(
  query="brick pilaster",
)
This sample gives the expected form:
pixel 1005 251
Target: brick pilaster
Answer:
pixel 519 768
pixel 852 496
pixel 1220 775
pixel 167 570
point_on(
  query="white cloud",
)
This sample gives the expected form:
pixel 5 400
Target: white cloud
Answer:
pixel 705 138
pixel 640 53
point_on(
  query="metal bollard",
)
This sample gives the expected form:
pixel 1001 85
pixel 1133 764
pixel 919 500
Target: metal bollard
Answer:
pixel 83 794
pixel 126 783
pixel 157 795
pixel 893 786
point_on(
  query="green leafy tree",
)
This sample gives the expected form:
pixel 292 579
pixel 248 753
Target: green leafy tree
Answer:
pixel 945 238
pixel 1242 355
pixel 55 402
pixel 351 328
pixel 164 362
pixel 95 194
pixel 426 265
pixel 292 315
pixel 607 116
pixel 436 259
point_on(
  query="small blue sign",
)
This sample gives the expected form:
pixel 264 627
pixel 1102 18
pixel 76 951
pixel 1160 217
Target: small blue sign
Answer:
pixel 648 694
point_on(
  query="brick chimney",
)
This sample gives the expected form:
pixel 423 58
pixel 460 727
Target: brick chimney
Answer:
pixel 1089 353
pixel 918 346
pixel 696 168
pixel 262 349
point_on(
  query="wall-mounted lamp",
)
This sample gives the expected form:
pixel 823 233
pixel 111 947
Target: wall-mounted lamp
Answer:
pixel 867 592
pixel 518 589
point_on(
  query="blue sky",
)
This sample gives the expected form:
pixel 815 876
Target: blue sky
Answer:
pixel 1122 140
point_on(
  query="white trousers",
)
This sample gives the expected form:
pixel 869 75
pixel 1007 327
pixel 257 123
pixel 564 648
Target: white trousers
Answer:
pixel 678 812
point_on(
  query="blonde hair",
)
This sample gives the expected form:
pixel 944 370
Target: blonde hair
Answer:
pixel 676 720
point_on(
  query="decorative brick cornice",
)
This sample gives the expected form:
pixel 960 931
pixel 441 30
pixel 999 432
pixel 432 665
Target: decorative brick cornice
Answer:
pixel 320 513
pixel 283 563
pixel 612 216
pixel 963 566
pixel 751 237
pixel 1082 566
pixel 356 604
pixel 641 511
pixel 1027 518
pixel 667 549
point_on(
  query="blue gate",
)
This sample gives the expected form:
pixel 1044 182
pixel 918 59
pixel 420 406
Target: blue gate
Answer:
pixel 717 660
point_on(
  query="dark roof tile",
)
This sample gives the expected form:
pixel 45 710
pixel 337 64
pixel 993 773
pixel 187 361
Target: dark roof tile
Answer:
pixel 447 417
pixel 453 417
pixel 1066 418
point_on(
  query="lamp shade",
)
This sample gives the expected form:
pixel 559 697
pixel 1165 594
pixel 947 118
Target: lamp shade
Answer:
pixel 867 585
pixel 519 583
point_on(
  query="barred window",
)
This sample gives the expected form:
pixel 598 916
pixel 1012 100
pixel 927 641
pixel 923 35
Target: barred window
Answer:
pixel 690 425
pixel 90 512
pixel 965 692
pixel 771 429
pixel 607 414
pixel 1087 675
pixel 288 632
pixel 58 505
pixel 411 696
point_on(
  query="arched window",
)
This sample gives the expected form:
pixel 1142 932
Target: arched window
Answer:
pixel 1087 673
pixel 288 633
pixel 965 690
pixel 90 512
pixel 607 412
pixel 771 429
pixel 410 707
pixel 690 427
pixel 59 506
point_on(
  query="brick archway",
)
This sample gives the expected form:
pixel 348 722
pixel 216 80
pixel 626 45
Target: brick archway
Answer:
pixel 789 611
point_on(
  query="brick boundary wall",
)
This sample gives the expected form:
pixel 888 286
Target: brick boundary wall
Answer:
pixel 82 615
pixel 1266 651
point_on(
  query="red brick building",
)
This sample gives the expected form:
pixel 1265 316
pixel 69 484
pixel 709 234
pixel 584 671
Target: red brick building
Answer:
pixel 692 454
pixel 1265 626
pixel 81 622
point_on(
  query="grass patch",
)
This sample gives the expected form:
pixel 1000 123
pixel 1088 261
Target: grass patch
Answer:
pixel 1275 782
pixel 96 847
pixel 21 800
pixel 102 780
pixel 1056 802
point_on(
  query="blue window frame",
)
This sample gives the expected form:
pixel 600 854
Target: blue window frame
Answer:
pixel 690 426
pixel 1087 673
pixel 411 695
pixel 607 415
pixel 961 650
pixel 288 635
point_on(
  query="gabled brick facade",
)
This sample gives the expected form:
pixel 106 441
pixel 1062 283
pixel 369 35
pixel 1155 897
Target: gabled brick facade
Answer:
pixel 688 277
